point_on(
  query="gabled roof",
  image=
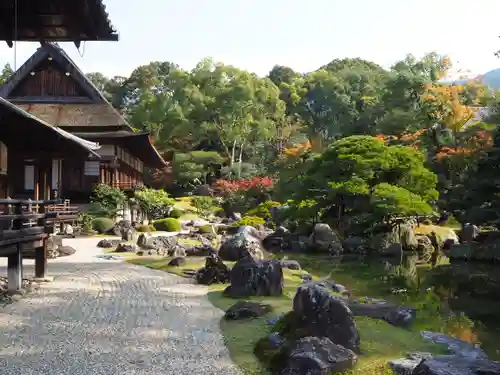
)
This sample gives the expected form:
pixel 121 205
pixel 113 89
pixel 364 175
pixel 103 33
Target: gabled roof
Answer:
pixel 138 143
pixel 57 53
pixel 55 20
pixel 26 131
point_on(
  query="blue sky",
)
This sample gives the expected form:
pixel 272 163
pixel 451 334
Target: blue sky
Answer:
pixel 257 34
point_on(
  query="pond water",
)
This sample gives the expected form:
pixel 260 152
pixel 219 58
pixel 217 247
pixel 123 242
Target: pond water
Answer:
pixel 461 300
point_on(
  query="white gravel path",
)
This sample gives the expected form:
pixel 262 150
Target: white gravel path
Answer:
pixel 109 317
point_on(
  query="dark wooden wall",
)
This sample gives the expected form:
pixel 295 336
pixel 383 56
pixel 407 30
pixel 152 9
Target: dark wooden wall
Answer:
pixel 49 80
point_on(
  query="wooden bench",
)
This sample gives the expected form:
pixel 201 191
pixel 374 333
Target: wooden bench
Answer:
pixel 23 231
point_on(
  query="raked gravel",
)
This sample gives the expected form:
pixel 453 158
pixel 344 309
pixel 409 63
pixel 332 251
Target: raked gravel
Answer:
pixel 112 318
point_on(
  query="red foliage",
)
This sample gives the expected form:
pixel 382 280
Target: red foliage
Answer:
pixel 225 187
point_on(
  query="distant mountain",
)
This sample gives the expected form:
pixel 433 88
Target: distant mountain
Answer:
pixel 491 79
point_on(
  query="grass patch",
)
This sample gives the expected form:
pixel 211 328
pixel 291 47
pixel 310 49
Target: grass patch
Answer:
pixel 161 263
pixel 380 342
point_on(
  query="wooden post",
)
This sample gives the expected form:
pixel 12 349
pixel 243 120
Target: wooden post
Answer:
pixel 41 261
pixel 15 271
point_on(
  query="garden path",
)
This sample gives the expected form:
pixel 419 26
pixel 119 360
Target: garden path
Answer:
pixel 109 317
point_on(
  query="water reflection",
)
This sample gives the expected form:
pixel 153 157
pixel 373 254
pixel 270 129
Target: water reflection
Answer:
pixel 461 300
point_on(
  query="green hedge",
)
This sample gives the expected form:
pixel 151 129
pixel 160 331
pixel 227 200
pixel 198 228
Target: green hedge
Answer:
pixel 176 213
pixel 146 228
pixel 168 224
pixel 102 224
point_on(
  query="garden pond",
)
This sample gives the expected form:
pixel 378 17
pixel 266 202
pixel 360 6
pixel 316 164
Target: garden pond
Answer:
pixel 459 299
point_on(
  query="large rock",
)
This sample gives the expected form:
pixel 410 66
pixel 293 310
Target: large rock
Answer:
pixel 469 233
pixel 405 366
pixel 247 309
pixel 107 244
pixel 177 251
pixel 66 250
pixel 317 356
pixel 215 271
pixel 402 235
pixel 124 229
pixel 355 245
pixel 244 243
pixel 323 314
pixel 126 248
pixel 250 277
pixel 277 241
pixel 454 365
pixel 399 316
pixel 161 244
pixel 474 251
pixel 324 239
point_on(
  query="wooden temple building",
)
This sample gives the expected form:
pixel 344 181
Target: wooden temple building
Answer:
pixel 51 89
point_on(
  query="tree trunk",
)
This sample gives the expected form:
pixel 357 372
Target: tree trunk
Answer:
pixel 240 159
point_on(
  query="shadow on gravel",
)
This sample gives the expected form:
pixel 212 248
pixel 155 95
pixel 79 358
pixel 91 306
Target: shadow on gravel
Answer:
pixel 111 318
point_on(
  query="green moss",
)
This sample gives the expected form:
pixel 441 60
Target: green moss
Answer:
pixel 253 221
pixel 168 224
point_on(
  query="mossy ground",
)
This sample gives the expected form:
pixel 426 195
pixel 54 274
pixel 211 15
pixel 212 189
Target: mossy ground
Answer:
pixel 380 342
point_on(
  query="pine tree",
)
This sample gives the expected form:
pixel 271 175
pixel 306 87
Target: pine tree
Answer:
pixel 483 197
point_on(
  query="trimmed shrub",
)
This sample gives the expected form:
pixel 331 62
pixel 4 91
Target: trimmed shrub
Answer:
pixel 176 213
pixel 102 224
pixel 253 221
pixel 203 205
pixel 146 228
pixel 168 224
pixel 263 210
pixel 156 203
pixel 106 200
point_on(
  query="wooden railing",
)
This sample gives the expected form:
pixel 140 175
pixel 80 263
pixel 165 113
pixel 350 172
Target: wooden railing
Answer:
pixel 63 213
pixel 23 230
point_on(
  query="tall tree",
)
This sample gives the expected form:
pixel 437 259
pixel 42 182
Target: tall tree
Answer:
pixel 6 73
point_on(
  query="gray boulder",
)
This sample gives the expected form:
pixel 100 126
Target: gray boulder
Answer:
pixel 244 243
pixel 355 245
pixel 469 233
pixel 453 365
pixel 126 248
pixel 405 366
pixel 399 316
pixel 66 250
pixel 107 244
pixel 323 314
pixel 215 271
pixel 247 309
pixel 161 244
pixel 125 230
pixel 317 356
pixel 250 277
pixel 324 239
